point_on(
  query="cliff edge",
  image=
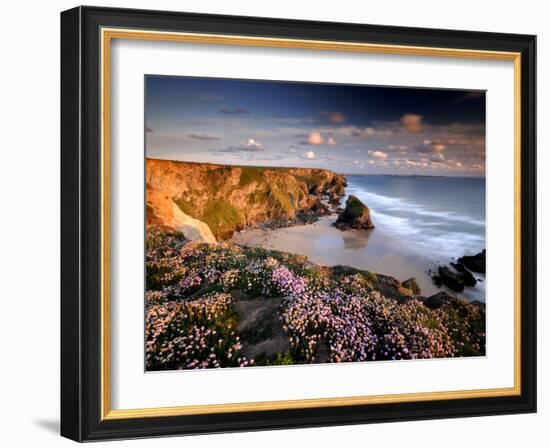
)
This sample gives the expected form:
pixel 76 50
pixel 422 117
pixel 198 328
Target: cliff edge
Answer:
pixel 209 202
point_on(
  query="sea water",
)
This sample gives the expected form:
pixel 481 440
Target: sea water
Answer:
pixel 438 217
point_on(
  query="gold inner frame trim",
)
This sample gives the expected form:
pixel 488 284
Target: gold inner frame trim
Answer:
pixel 107 35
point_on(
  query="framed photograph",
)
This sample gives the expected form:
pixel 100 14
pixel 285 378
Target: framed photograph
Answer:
pixel 275 224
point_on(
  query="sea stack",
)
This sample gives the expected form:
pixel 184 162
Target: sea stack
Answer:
pixel 356 215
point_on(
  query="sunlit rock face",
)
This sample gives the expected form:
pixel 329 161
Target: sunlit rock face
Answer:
pixel 183 196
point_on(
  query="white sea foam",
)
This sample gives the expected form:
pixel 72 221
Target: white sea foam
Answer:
pixel 396 204
pixel 444 235
pixel 451 216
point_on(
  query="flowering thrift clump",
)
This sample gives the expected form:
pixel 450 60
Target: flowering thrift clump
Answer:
pixel 192 334
pixel 306 319
pixel 161 252
pixel 327 314
pixel 408 331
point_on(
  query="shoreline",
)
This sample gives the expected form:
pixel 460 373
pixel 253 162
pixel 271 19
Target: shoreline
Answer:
pixel 374 250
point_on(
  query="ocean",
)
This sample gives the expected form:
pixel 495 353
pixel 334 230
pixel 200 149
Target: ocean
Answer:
pixel 438 217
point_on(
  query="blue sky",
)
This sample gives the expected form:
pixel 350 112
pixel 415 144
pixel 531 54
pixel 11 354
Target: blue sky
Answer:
pixel 347 128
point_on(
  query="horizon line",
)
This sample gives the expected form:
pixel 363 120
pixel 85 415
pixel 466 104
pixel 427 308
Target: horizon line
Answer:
pixel 317 168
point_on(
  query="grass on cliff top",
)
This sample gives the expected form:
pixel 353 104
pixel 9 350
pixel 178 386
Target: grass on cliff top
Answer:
pixel 250 174
pixel 310 181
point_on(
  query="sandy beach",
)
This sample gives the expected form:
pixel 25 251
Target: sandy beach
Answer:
pixel 374 250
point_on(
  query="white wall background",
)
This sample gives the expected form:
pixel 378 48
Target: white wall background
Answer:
pixel 29 224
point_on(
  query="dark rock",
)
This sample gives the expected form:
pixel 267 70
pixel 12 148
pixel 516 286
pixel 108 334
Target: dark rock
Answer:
pixel 390 287
pixel 438 300
pixel 475 263
pixel 451 279
pixel 260 328
pixel 334 199
pixel 412 286
pixel 318 207
pixel 356 215
pixel 442 299
pixel 322 352
pixel 385 281
pixel 436 280
pixel 338 189
pixel 467 277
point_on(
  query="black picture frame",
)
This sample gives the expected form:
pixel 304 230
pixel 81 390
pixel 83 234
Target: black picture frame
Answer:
pixel 81 224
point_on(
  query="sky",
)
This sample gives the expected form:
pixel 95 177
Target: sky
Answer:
pixel 350 129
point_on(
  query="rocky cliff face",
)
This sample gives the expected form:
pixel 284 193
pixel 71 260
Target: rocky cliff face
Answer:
pixel 209 202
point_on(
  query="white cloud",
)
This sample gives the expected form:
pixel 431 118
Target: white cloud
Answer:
pixel 315 138
pixel 252 144
pixel 454 164
pixel 310 155
pixel 331 141
pixel 378 155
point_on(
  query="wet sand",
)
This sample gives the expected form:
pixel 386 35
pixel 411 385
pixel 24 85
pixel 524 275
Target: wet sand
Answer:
pixel 324 244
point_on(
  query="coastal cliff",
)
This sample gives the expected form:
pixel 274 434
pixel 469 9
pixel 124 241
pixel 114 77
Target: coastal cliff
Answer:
pixel 209 202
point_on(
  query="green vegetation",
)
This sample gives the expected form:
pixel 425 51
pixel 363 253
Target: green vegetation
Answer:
pixel 185 206
pixel 310 181
pixel 250 174
pixel 259 197
pixel 354 207
pixel 283 200
pixel 222 217
pixel 219 215
pixel 279 359
pixel 340 271
pixel 218 177
pixel 411 285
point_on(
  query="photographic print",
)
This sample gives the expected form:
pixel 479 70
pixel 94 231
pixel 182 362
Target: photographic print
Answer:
pixel 249 197
pixel 300 223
